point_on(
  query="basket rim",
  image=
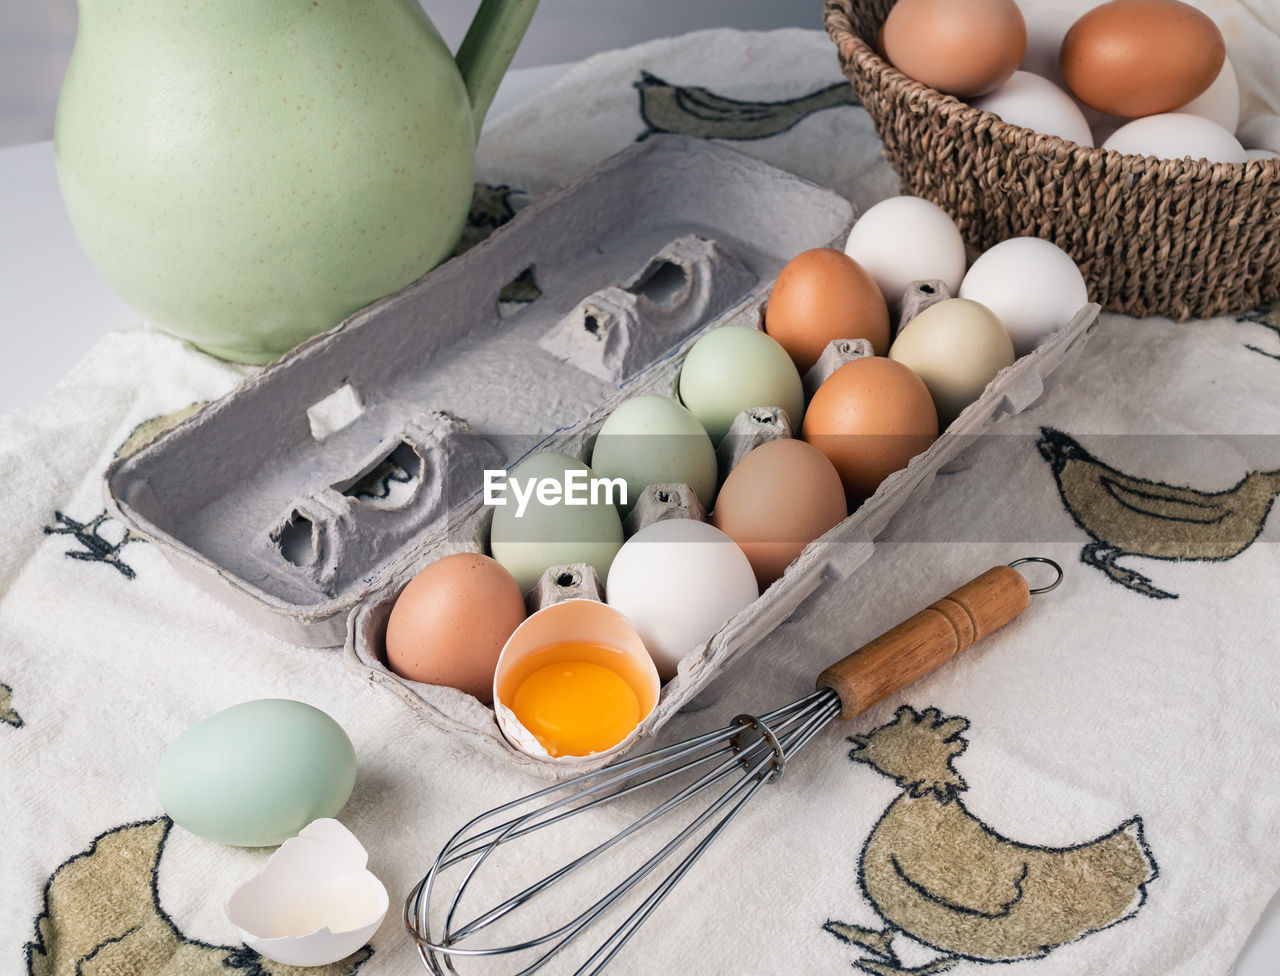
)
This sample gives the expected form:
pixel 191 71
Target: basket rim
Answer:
pixel 856 52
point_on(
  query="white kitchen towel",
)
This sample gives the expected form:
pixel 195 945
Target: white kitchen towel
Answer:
pixel 1091 791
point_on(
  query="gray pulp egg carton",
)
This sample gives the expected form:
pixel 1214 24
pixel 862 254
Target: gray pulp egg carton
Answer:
pixel 308 497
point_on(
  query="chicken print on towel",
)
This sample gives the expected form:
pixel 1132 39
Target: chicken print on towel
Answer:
pixel 1268 316
pixel 492 205
pixel 101 539
pixel 1131 516
pixel 939 875
pixel 691 111
pixel 8 715
pixel 94 546
pixel 102 915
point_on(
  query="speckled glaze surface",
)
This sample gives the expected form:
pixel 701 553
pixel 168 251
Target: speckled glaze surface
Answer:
pixel 247 174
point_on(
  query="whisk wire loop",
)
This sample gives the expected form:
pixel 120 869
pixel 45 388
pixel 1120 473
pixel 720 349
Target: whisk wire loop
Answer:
pixel 523 896
pixel 758 745
pixel 614 943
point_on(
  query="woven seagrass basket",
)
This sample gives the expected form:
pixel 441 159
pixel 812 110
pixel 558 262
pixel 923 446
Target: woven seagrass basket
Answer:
pixel 1180 238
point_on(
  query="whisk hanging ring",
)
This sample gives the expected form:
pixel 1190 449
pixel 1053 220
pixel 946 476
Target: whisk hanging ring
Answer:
pixel 1048 562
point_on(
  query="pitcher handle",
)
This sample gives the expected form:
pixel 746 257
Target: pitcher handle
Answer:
pixel 487 50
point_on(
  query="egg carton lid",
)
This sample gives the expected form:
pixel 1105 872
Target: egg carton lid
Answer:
pixel 303 490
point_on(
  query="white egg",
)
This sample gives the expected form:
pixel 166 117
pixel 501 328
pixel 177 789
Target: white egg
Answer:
pixel 1045 31
pixel 1032 286
pixel 906 239
pixel 1220 102
pixel 1176 135
pixel 678 581
pixel 1036 103
pixel 1262 154
pixel 1261 132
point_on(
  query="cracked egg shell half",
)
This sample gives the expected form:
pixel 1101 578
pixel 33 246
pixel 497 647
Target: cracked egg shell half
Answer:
pixel 574 682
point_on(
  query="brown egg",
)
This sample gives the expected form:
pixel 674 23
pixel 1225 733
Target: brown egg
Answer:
pixel 1141 57
pixel 448 625
pixel 962 47
pixel 870 417
pixel 778 499
pixel 824 294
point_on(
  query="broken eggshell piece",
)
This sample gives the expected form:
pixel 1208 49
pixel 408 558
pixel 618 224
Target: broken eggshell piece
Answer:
pixel 314 902
pixel 571 622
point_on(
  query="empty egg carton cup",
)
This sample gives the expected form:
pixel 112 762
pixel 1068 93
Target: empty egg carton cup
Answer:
pixel 617 330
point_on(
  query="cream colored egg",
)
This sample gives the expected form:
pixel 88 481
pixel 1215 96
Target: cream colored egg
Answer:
pixel 956 347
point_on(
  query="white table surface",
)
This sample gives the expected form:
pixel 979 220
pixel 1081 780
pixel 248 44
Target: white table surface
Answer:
pixel 56 307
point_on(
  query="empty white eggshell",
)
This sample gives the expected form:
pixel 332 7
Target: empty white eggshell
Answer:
pixel 1032 286
pixel 906 239
pixel 314 902
pixel 1176 135
pixel 1036 103
pixel 1220 102
pixel 678 581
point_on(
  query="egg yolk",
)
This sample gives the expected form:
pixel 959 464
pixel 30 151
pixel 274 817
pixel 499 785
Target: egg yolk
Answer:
pixel 575 707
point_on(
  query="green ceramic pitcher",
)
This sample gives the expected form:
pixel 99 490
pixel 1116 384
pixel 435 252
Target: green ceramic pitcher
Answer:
pixel 247 173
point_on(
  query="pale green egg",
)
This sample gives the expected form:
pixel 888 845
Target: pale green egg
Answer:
pixel 652 440
pixel 733 368
pixel 554 511
pixel 255 774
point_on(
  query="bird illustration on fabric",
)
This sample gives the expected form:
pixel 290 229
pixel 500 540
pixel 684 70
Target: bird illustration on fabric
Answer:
pixel 8 714
pixel 149 430
pixel 97 548
pixel 388 481
pixel 492 205
pixel 1131 516
pixel 1268 316
pixel 939 875
pixel 102 915
pixel 699 112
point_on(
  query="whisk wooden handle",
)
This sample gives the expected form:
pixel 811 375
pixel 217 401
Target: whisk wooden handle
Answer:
pixel 933 636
